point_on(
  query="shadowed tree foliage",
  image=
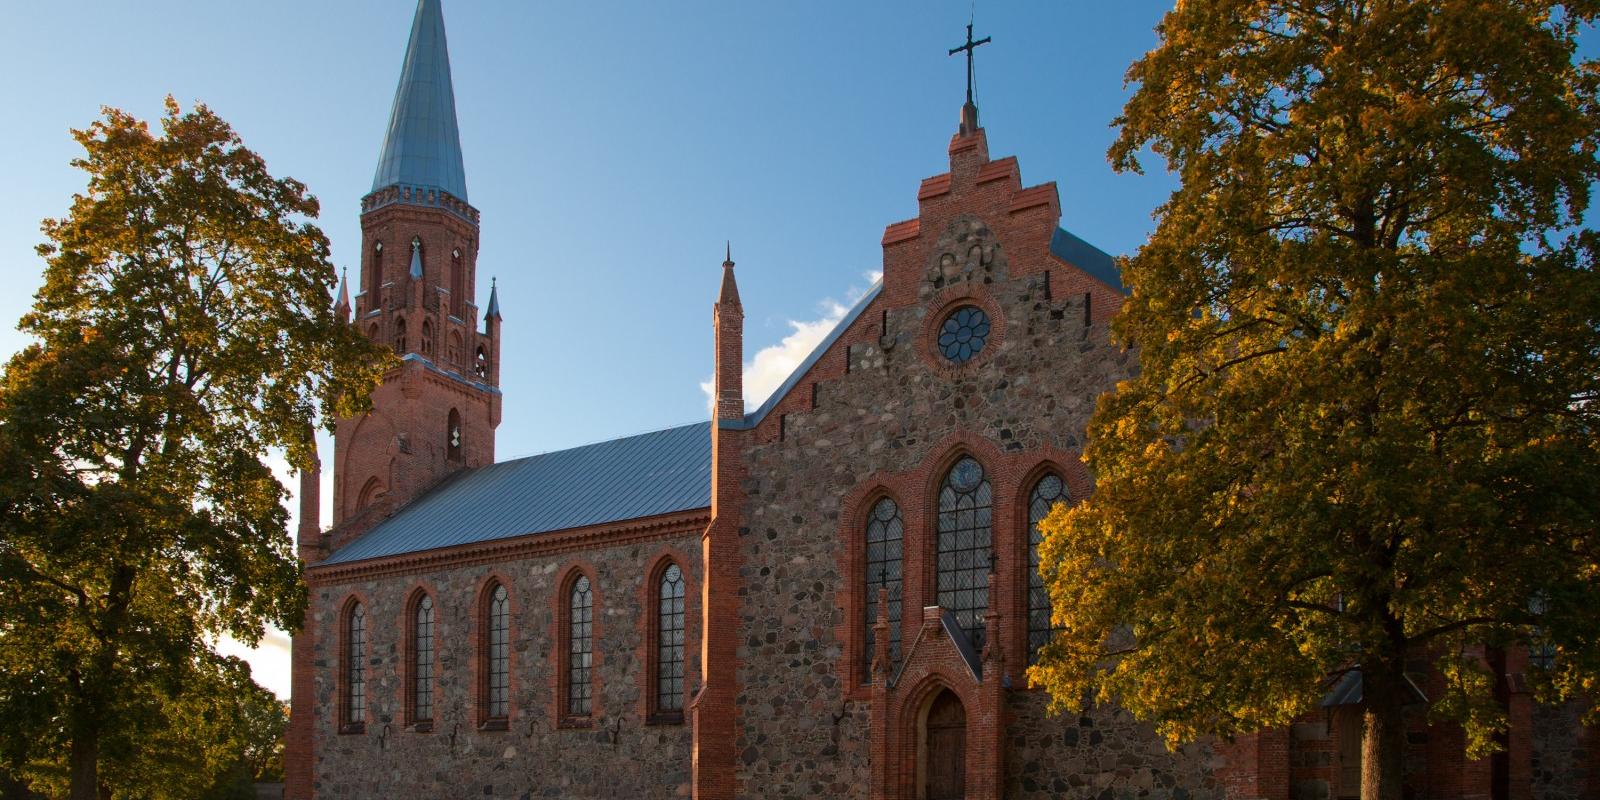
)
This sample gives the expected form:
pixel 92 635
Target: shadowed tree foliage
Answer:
pixel 1364 427
pixel 183 334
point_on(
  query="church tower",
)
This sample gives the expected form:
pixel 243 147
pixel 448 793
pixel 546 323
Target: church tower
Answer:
pixel 436 414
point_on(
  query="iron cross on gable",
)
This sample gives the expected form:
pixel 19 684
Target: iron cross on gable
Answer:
pixel 968 48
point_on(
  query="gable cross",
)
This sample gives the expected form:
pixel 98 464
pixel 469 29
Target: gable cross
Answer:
pixel 968 48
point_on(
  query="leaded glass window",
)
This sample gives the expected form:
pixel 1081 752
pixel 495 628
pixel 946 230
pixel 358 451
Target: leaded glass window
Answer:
pixel 885 533
pixel 499 655
pixel 963 334
pixel 580 653
pixel 669 641
pixel 965 546
pixel 1046 493
pixel 422 662
pixel 355 695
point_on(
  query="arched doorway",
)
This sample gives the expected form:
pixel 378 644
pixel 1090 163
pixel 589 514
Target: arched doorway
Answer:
pixel 945 748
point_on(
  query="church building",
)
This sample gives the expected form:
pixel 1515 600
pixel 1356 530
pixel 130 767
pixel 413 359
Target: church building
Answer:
pixel 832 595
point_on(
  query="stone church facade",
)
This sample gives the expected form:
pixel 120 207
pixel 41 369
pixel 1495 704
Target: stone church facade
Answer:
pixel 831 595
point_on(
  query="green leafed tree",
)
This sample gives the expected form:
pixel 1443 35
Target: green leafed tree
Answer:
pixel 183 336
pixel 1364 431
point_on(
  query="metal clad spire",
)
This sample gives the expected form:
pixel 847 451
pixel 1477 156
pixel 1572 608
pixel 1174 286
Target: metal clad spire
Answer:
pixel 423 144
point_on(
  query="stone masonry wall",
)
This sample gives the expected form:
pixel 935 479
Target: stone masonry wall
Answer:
pixel 893 410
pixel 617 755
pixel 1560 761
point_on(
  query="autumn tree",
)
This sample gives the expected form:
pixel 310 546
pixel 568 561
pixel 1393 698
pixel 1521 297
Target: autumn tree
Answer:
pixel 183 336
pixel 1368 324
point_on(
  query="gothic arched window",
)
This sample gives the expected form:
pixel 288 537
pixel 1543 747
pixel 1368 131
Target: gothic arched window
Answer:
pixel 497 655
pixel 427 337
pixel 669 640
pixel 453 354
pixel 580 648
pixel 965 538
pixel 1046 493
pixel 885 533
pixel 400 336
pixel 480 365
pixel 422 661
pixel 355 667
pixel 452 433
pixel 370 492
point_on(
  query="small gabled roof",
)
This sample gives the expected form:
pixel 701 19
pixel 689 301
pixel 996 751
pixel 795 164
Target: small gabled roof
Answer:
pixel 1092 260
pixel 423 144
pixel 647 475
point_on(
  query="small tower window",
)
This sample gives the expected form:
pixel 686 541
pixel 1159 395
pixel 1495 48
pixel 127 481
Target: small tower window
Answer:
pixel 427 337
pixel 374 274
pixel 400 336
pixel 453 436
pixel 480 366
pixel 453 351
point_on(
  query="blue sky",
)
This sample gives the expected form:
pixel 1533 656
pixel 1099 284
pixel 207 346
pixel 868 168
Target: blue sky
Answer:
pixel 612 148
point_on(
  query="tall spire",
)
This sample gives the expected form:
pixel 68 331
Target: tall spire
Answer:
pixel 423 144
pixel 729 294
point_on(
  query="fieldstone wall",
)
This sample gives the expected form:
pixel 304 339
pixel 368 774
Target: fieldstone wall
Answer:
pixel 1560 758
pixel 892 409
pixel 618 755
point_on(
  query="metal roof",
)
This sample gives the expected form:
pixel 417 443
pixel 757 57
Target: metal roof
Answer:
pixel 638 476
pixel 1088 258
pixel 423 145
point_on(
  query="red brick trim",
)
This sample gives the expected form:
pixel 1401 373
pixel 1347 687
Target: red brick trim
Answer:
pixel 531 545
pixel 943 304
pixel 999 169
pixel 342 696
pixel 479 660
pixel 1042 195
pixel 408 660
pixel 561 618
pixel 934 186
pixel 649 654
pixel 901 231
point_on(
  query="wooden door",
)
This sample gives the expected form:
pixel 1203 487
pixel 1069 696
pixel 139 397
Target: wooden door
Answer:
pixel 1349 724
pixel 946 749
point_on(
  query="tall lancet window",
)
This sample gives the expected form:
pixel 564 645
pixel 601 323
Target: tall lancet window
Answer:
pixel 885 533
pixel 965 546
pixel 580 652
pixel 355 667
pixel 497 686
pixel 1046 493
pixel 422 662
pixel 427 337
pixel 669 641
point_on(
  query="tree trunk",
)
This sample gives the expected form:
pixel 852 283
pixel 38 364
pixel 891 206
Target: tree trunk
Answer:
pixel 1383 736
pixel 85 762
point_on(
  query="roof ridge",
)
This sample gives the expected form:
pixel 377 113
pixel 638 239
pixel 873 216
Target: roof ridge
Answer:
pixel 601 441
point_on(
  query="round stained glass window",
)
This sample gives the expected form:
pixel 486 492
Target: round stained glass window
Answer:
pixel 963 334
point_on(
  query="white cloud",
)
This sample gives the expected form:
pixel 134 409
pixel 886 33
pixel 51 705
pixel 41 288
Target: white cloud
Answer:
pixel 773 364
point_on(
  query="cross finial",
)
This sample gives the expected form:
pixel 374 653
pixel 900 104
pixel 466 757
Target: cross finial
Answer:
pixel 968 48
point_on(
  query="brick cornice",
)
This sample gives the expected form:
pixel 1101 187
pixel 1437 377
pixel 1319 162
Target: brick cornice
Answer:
pixel 524 546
